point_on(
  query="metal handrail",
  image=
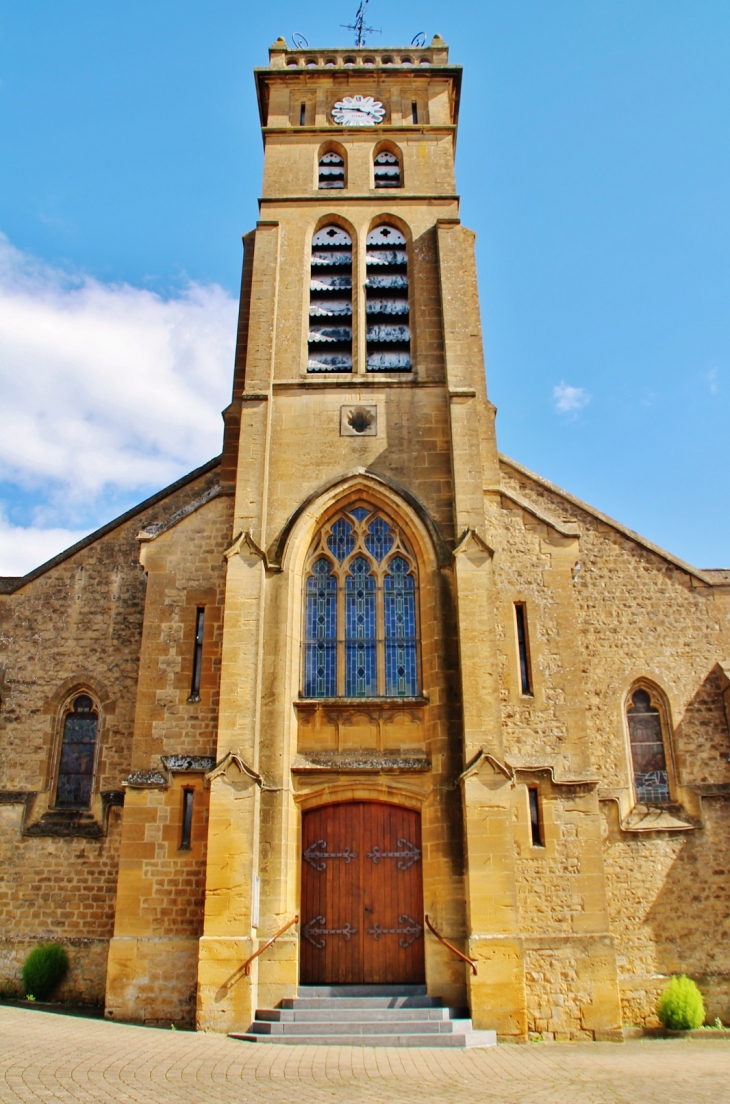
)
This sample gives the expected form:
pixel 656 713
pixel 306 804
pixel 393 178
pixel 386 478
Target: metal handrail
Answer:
pixel 463 957
pixel 247 964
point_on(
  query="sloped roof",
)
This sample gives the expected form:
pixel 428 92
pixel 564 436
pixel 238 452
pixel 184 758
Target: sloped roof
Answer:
pixel 10 583
pixel 709 578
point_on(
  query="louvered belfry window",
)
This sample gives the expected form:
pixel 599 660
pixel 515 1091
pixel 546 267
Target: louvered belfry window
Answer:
pixel 331 170
pixel 386 170
pixel 360 615
pixel 388 330
pixel 330 302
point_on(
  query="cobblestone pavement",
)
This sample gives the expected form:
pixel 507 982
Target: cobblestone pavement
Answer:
pixel 47 1057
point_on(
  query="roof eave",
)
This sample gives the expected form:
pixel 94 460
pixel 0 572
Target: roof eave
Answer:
pixel 695 572
pixel 17 582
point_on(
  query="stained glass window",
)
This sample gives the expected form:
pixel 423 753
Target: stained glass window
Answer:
pixel 320 664
pixel 341 540
pixel 648 754
pixel 400 630
pixel 361 617
pixel 78 748
pixel 361 680
pixel 379 540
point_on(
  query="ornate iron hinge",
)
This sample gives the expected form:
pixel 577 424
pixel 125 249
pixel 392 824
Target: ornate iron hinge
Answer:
pixel 409 854
pixel 409 933
pixel 316 936
pixel 316 858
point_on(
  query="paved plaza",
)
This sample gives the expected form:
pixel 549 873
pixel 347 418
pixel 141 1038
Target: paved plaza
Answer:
pixel 48 1057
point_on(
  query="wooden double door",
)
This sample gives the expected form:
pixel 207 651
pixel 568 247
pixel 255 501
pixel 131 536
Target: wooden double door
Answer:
pixel 362 895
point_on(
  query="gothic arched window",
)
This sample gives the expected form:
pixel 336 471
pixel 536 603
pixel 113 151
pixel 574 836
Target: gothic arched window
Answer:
pixel 330 301
pixel 386 170
pixel 78 754
pixel 388 330
pixel 331 172
pixel 645 716
pixel 360 618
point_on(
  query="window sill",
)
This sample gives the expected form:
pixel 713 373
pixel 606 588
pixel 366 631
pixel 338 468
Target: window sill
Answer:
pixel 365 703
pixel 66 823
pixel 667 817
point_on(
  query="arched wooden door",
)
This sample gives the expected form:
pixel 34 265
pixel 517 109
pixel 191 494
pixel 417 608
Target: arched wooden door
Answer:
pixel 362 895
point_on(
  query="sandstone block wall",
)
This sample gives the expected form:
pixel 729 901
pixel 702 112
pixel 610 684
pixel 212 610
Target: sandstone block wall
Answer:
pixel 75 625
pixel 632 614
pixel 159 916
pixel 57 890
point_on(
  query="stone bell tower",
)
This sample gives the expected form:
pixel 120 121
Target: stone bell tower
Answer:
pixel 359 376
pixel 360 415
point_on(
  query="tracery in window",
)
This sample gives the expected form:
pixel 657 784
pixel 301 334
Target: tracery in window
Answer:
pixel 387 170
pixel 330 301
pixel 360 618
pixel 78 752
pixel 388 310
pixel 648 752
pixel 331 170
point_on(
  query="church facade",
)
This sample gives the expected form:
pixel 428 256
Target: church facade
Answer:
pixel 363 683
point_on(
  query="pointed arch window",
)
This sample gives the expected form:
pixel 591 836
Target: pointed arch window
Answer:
pixel 332 170
pixel 647 735
pixel 330 301
pixel 388 309
pixel 78 754
pixel 387 170
pixel 361 616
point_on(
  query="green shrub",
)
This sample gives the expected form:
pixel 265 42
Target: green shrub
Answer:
pixel 44 968
pixel 681 1007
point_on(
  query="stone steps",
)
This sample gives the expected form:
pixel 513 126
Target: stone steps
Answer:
pixel 340 1003
pixel 355 1015
pixel 364 1015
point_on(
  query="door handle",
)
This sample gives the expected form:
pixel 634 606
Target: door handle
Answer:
pixel 369 910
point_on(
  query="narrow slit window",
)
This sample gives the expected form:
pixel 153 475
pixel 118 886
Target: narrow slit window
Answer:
pixel 414 112
pixel 78 752
pixel 386 170
pixel 330 301
pixel 187 820
pixel 387 303
pixel 535 819
pixel 523 648
pixel 197 655
pixel 302 114
pixel 331 170
pixel 648 753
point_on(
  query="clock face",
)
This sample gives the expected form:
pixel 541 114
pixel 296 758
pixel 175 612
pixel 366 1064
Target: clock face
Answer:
pixel 358 111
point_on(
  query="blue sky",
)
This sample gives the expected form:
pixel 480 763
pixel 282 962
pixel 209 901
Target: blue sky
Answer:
pixel 593 163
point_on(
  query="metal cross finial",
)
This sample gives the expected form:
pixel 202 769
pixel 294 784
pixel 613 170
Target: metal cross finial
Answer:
pixel 359 25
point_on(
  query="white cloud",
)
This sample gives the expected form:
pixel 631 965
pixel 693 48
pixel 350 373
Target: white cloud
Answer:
pixel 107 384
pixel 104 389
pixel 570 399
pixel 24 547
pixel 713 381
